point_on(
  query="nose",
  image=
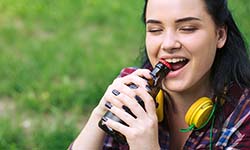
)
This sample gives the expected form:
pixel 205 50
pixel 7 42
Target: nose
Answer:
pixel 170 42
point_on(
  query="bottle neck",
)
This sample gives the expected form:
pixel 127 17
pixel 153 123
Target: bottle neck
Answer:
pixel 158 73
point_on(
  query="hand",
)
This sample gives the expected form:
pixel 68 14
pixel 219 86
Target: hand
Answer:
pixel 142 130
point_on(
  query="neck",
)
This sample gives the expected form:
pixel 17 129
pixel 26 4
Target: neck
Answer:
pixel 181 101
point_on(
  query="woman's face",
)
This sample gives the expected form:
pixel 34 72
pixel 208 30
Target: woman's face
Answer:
pixel 184 34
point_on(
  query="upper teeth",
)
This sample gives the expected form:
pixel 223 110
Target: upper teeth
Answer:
pixel 175 60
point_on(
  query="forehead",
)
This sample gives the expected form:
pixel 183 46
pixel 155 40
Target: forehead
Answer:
pixel 171 9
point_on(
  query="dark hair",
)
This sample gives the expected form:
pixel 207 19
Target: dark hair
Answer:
pixel 231 62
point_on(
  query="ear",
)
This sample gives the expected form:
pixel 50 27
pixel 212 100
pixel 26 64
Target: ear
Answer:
pixel 221 36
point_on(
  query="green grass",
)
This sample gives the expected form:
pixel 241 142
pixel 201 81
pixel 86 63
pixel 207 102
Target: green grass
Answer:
pixel 57 58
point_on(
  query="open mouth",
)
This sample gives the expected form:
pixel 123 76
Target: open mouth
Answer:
pixel 177 63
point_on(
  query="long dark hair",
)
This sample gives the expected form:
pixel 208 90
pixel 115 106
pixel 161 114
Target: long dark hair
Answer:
pixel 231 62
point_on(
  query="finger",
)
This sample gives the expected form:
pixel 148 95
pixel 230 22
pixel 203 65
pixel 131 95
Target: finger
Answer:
pixel 135 107
pixel 138 101
pixel 137 77
pixel 125 86
pixel 121 128
pixel 124 116
pixel 131 102
pixel 143 73
pixel 135 80
pixel 129 97
pixel 111 97
pixel 149 102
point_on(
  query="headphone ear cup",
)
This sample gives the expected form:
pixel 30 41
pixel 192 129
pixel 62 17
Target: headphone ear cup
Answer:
pixel 160 104
pixel 199 112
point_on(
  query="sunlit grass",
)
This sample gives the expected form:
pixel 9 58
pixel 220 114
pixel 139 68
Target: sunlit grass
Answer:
pixel 57 58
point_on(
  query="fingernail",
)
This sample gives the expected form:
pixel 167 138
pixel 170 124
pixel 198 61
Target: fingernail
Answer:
pixel 145 78
pixel 126 108
pixel 108 105
pixel 104 119
pixel 115 92
pixel 138 98
pixel 133 86
pixel 140 101
pixel 128 111
pixel 148 88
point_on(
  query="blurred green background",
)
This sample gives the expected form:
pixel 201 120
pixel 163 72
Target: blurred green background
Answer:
pixel 56 60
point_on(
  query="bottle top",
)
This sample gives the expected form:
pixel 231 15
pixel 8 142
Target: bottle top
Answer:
pixel 162 68
pixel 165 63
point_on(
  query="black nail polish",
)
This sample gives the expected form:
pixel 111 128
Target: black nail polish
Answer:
pixel 149 89
pixel 140 101
pixel 138 98
pixel 108 105
pixel 104 119
pixel 125 108
pixel 158 73
pixel 133 86
pixel 128 110
pixel 115 92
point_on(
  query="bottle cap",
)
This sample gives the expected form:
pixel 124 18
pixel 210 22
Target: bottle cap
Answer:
pixel 166 63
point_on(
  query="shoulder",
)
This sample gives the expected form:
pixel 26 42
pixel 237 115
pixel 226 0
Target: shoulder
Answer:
pixel 235 129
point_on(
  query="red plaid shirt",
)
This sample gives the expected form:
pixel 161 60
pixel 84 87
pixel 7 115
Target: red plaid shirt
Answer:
pixel 231 129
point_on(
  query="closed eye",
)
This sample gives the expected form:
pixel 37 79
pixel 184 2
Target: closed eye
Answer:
pixel 155 30
pixel 188 29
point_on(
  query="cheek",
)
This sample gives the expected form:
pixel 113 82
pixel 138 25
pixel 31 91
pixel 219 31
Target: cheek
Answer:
pixel 203 63
pixel 207 60
pixel 153 47
pixel 203 51
pixel 152 43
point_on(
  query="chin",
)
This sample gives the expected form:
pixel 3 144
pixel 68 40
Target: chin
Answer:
pixel 174 88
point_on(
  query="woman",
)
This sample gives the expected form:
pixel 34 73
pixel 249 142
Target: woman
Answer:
pixel 201 41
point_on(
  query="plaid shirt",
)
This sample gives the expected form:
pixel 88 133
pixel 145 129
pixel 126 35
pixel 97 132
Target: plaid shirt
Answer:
pixel 231 128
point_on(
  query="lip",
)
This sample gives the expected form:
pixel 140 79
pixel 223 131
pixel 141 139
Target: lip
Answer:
pixel 173 74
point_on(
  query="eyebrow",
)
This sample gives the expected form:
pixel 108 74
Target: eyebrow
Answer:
pixel 186 19
pixel 153 21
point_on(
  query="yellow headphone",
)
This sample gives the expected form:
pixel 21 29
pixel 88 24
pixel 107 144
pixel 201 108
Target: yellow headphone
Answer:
pixel 197 116
pixel 160 106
